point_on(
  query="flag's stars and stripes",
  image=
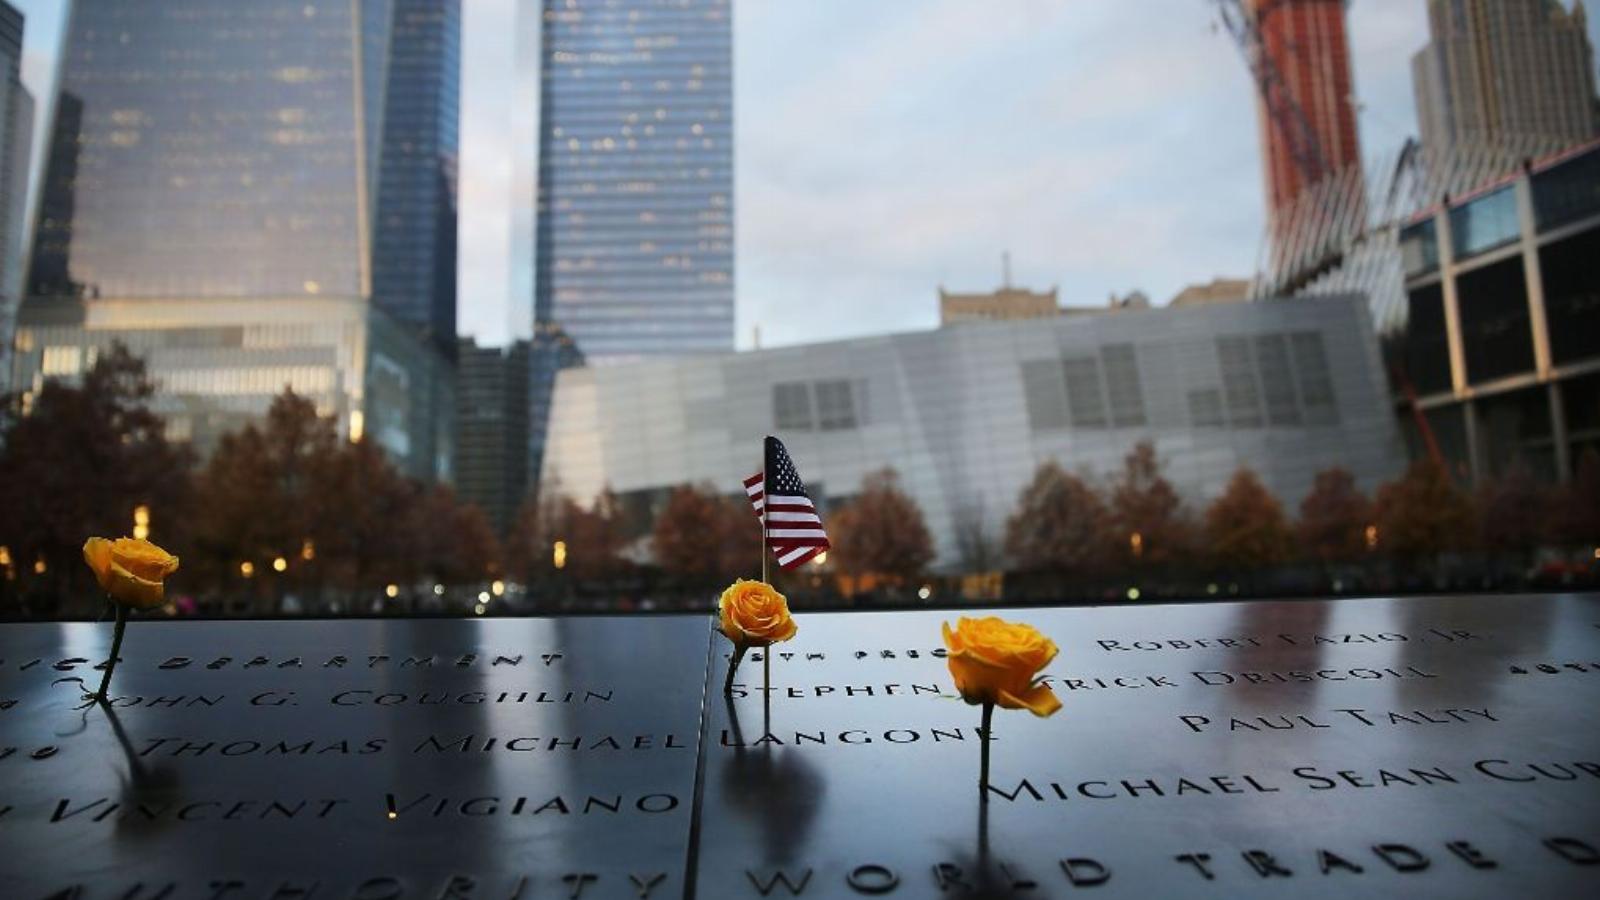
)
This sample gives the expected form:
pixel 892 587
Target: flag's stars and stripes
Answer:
pixel 794 531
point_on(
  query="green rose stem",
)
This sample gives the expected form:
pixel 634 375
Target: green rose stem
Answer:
pixel 738 654
pixel 116 647
pixel 983 765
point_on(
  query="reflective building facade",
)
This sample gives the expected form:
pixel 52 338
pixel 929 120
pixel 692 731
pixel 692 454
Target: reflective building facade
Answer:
pixel 1498 344
pixel 414 263
pixel 210 200
pixel 1494 68
pixel 967 413
pixel 16 138
pixel 634 244
pixel 503 393
pixel 221 148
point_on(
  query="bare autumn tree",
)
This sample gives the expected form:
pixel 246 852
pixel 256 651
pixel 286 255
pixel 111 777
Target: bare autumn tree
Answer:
pixel 77 464
pixel 701 536
pixel 370 542
pixel 1514 512
pixel 591 539
pixel 881 533
pixel 266 491
pixel 1334 517
pixel 1059 525
pixel 530 546
pixel 1148 523
pixel 458 543
pixel 1245 527
pixel 1423 513
pixel 976 545
pixel 1578 510
pixel 600 539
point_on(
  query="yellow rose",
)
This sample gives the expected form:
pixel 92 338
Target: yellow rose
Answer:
pixel 995 661
pixel 755 615
pixel 130 571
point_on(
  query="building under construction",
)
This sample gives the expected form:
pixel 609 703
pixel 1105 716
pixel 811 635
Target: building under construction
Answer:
pixel 1475 253
pixel 1478 262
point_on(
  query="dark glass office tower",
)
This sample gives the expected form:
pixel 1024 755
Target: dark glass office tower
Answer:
pixel 211 202
pixel 226 148
pixel 635 219
pixel 414 261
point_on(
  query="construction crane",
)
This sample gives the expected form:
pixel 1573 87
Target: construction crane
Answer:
pixel 1242 20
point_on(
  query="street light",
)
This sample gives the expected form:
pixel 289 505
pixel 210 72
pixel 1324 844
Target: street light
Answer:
pixel 392 591
pixel 280 564
pixel 558 555
pixel 247 569
pixel 1372 537
pixel 308 550
pixel 497 587
pixel 1136 544
pixel 141 522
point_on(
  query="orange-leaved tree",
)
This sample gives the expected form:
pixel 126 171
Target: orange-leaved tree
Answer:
pixel 1334 518
pixel 1059 525
pixel 701 536
pixel 881 533
pixel 1245 527
pixel 1423 513
pixel 1148 523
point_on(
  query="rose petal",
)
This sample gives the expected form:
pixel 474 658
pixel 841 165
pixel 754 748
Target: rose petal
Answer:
pixel 1039 700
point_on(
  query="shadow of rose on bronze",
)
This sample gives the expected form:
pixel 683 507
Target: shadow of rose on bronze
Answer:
pixel 997 663
pixel 753 614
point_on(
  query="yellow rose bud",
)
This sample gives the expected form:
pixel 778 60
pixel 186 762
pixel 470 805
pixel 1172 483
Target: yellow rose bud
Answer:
pixel 130 571
pixel 755 615
pixel 995 661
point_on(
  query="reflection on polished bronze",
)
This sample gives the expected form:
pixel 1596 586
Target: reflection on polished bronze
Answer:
pixel 1329 764
pixel 1442 747
pixel 365 758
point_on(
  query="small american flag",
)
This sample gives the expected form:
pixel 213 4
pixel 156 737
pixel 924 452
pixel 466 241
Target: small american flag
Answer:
pixel 794 531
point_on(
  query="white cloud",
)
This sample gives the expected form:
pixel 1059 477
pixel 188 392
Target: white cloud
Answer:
pixel 887 148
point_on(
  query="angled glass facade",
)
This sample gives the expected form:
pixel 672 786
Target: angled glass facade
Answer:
pixel 1499 345
pixel 210 201
pixel 222 148
pixel 16 135
pixel 634 250
pixel 414 259
pixel 968 412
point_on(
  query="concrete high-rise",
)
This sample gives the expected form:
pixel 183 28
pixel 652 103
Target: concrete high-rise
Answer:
pixel 414 260
pixel 1313 135
pixel 16 139
pixel 634 245
pixel 210 200
pixel 503 400
pixel 1495 69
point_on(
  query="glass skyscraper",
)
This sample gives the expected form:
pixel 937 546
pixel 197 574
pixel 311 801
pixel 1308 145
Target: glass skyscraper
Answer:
pixel 16 138
pixel 210 201
pixel 225 148
pixel 414 264
pixel 635 210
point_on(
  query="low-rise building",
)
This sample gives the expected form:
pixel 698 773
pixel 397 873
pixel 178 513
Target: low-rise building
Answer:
pixel 966 415
pixel 218 363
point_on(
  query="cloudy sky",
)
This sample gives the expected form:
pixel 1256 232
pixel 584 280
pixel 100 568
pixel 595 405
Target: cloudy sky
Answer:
pixel 886 148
